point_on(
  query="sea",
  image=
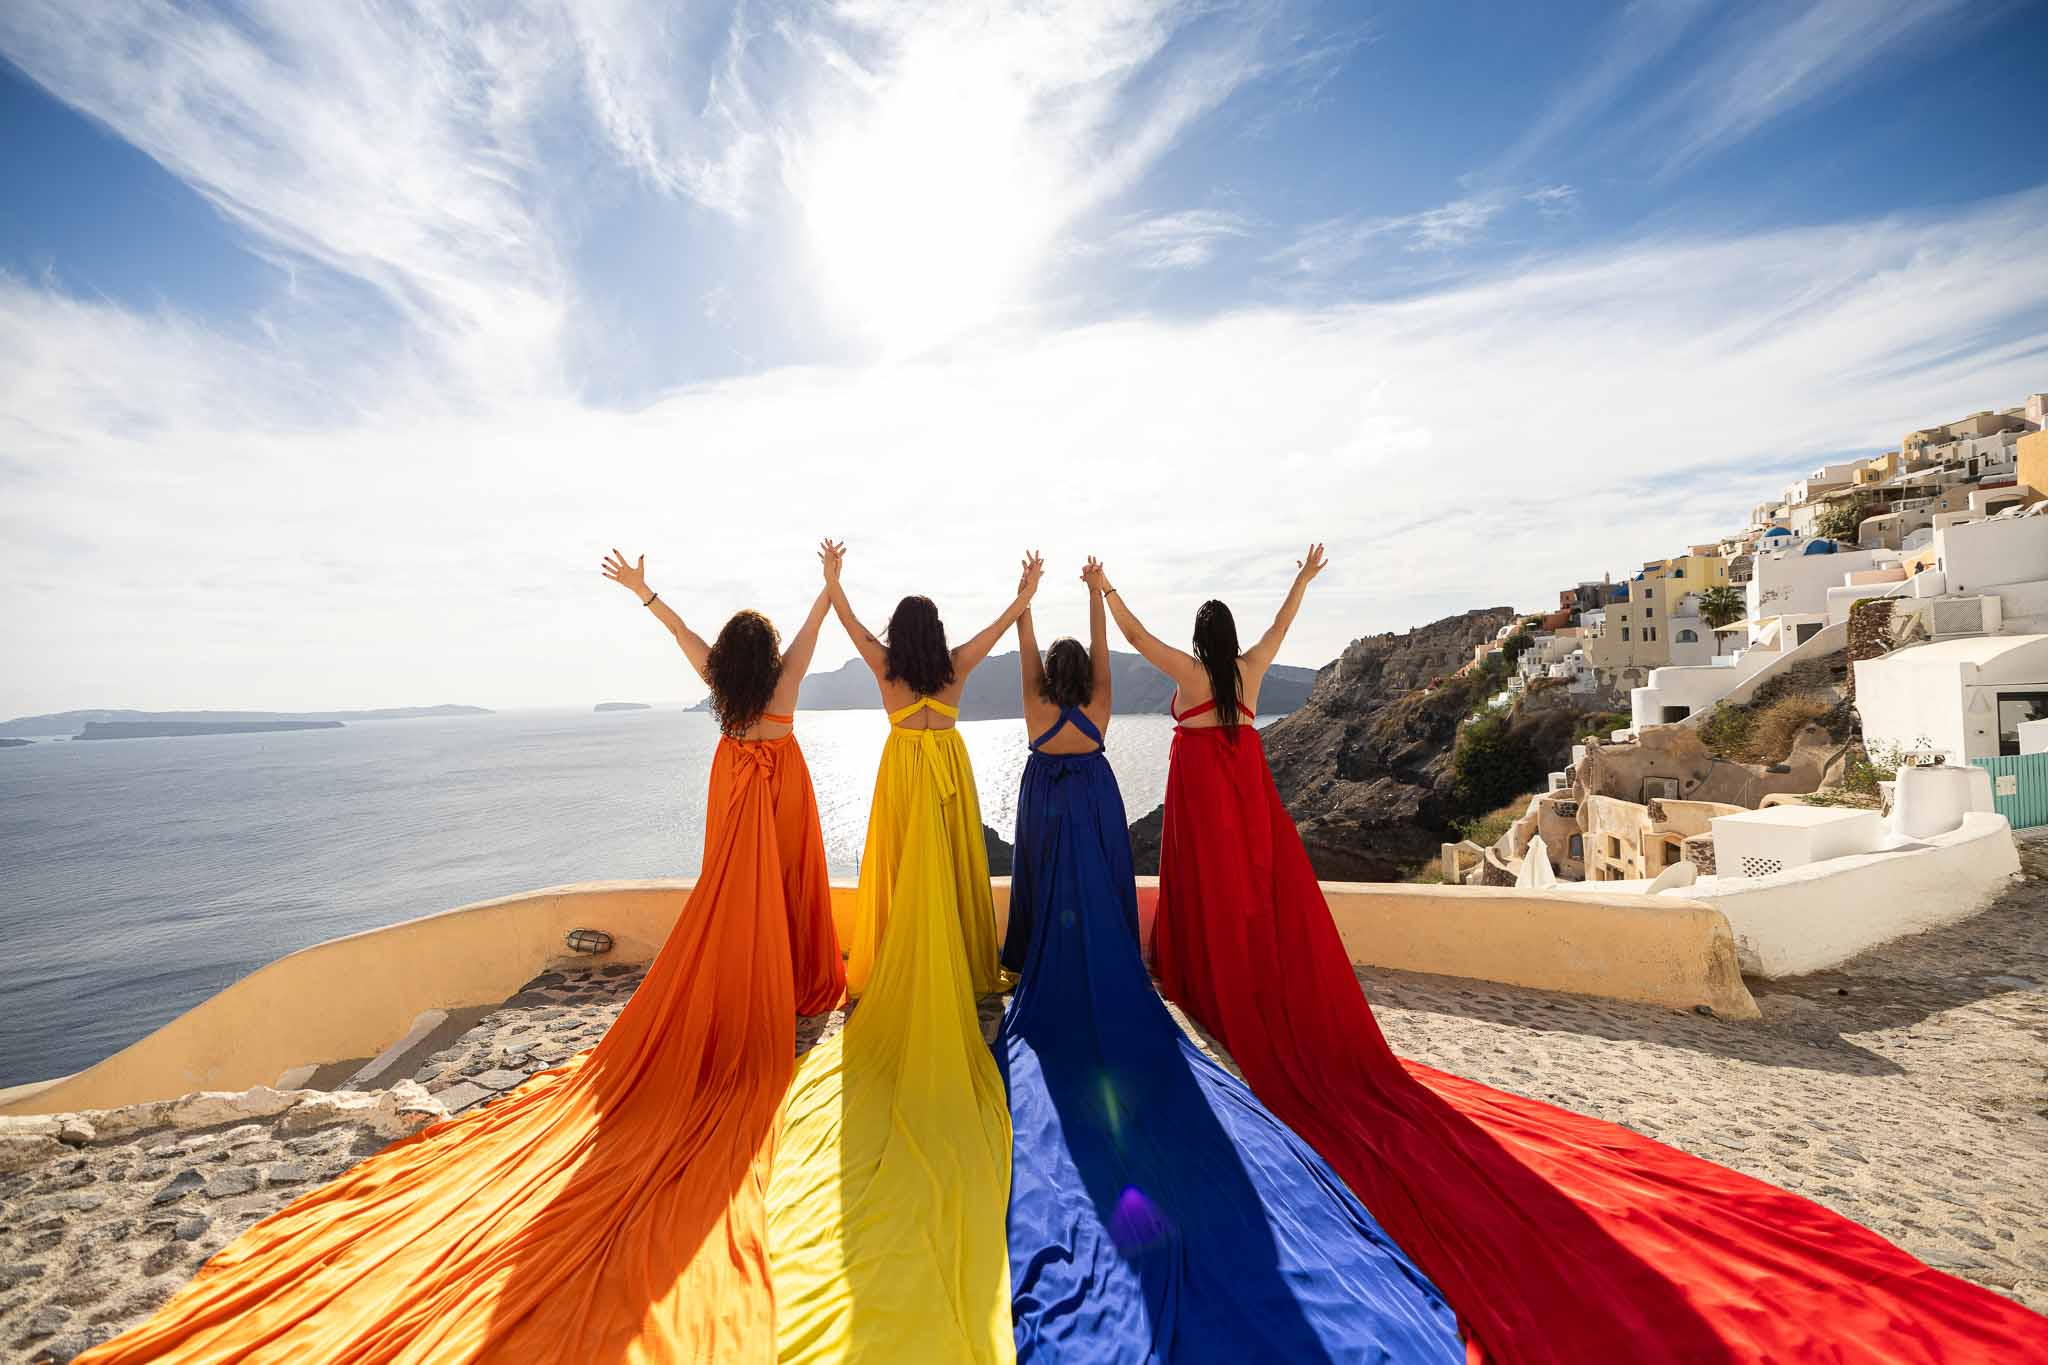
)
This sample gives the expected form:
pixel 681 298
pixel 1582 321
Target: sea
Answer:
pixel 139 876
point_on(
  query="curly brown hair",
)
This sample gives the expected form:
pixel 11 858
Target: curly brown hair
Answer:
pixel 744 665
pixel 1069 676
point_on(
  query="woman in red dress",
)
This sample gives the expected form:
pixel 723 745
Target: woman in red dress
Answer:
pixel 1556 1237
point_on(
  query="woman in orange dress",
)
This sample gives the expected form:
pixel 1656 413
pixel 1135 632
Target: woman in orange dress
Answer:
pixel 610 1209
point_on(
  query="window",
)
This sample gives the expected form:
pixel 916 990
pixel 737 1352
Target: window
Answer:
pixel 1576 846
pixel 1648 612
pixel 2014 707
pixel 1688 637
pixel 1624 632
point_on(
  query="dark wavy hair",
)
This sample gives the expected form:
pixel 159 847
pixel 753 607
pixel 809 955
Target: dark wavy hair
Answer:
pixel 1069 676
pixel 1216 649
pixel 916 644
pixel 744 665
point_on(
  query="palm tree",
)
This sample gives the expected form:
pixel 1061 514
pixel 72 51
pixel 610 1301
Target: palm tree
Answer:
pixel 1719 606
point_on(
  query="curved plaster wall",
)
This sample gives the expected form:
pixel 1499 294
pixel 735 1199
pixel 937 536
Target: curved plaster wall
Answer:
pixel 1806 919
pixel 350 997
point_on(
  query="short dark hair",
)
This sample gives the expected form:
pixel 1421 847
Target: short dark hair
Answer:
pixel 1069 676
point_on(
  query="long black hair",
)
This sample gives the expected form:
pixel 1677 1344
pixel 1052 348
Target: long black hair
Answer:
pixel 1069 676
pixel 1216 649
pixel 916 645
pixel 743 667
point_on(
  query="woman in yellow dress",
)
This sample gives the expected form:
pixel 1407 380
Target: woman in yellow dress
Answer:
pixel 886 1208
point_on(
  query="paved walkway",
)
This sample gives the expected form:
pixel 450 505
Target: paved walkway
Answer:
pixel 1907 1090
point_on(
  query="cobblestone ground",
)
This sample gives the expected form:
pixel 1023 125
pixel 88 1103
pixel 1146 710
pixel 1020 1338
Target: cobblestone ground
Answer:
pixel 1907 1090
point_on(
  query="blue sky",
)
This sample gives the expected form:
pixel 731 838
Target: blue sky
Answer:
pixel 406 316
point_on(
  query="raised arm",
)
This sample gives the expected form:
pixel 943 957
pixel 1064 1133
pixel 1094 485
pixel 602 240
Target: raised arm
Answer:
pixel 968 655
pixel 796 659
pixel 833 555
pixel 634 577
pixel 1098 632
pixel 1260 656
pixel 1174 663
pixel 1027 656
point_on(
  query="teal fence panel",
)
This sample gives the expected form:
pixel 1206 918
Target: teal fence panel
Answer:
pixel 2019 787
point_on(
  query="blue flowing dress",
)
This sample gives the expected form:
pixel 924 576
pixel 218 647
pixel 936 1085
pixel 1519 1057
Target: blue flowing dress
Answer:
pixel 1158 1212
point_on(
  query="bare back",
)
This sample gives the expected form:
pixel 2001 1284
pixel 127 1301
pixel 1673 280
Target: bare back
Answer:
pixel 1194 690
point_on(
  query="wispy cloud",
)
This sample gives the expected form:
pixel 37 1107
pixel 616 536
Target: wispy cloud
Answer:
pixel 150 531
pixel 1333 244
pixel 1178 241
pixel 392 147
pixel 1677 80
pixel 1788 57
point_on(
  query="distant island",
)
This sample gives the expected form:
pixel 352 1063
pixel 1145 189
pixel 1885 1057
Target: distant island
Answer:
pixel 15 743
pixel 996 690
pixel 68 722
pixel 622 706
pixel 164 729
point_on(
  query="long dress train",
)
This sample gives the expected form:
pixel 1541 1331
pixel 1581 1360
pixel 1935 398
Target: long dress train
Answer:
pixel 885 1207
pixel 610 1209
pixel 1157 1211
pixel 1555 1236
pixel 864 919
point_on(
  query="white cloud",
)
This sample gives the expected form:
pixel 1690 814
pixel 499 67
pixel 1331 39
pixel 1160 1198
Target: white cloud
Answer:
pixel 1740 69
pixel 1472 446
pixel 391 146
pixel 1178 241
pixel 1792 56
pixel 1331 245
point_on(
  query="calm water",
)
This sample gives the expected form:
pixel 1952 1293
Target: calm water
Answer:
pixel 138 877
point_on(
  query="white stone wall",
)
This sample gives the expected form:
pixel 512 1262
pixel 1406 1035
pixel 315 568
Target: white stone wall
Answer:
pixel 1810 918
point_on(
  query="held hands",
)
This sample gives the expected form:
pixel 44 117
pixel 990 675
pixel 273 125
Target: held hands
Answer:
pixel 1306 569
pixel 1027 581
pixel 832 555
pixel 1095 576
pixel 632 576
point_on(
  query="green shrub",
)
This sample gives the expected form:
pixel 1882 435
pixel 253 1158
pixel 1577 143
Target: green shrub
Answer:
pixel 1842 520
pixel 1726 731
pixel 1491 763
pixel 1601 725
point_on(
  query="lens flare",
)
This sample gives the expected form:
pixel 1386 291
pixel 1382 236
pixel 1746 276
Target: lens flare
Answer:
pixel 1137 1224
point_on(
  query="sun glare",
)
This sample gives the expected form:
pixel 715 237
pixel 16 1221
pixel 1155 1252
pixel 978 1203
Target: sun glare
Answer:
pixel 926 211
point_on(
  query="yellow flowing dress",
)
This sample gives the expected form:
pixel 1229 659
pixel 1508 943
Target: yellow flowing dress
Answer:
pixel 891 1184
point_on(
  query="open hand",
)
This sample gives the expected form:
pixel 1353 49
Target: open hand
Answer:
pixel 1027 582
pixel 1306 569
pixel 832 555
pixel 633 576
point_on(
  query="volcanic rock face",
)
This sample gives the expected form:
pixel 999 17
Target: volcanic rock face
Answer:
pixel 1365 765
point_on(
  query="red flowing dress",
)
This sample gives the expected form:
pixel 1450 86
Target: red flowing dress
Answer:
pixel 1556 1237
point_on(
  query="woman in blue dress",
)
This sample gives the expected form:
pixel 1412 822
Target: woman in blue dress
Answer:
pixel 1157 1211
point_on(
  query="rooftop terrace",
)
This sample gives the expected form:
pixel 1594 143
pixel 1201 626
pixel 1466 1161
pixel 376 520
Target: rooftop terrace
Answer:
pixel 1904 1090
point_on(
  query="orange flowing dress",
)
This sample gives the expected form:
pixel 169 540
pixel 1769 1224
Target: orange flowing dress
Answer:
pixel 610 1209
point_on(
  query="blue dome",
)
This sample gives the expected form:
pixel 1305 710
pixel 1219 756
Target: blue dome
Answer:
pixel 1776 531
pixel 1819 547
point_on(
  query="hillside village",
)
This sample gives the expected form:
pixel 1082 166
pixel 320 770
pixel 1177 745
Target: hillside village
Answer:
pixel 1880 615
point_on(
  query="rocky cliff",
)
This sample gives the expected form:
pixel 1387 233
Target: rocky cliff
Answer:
pixel 1365 764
